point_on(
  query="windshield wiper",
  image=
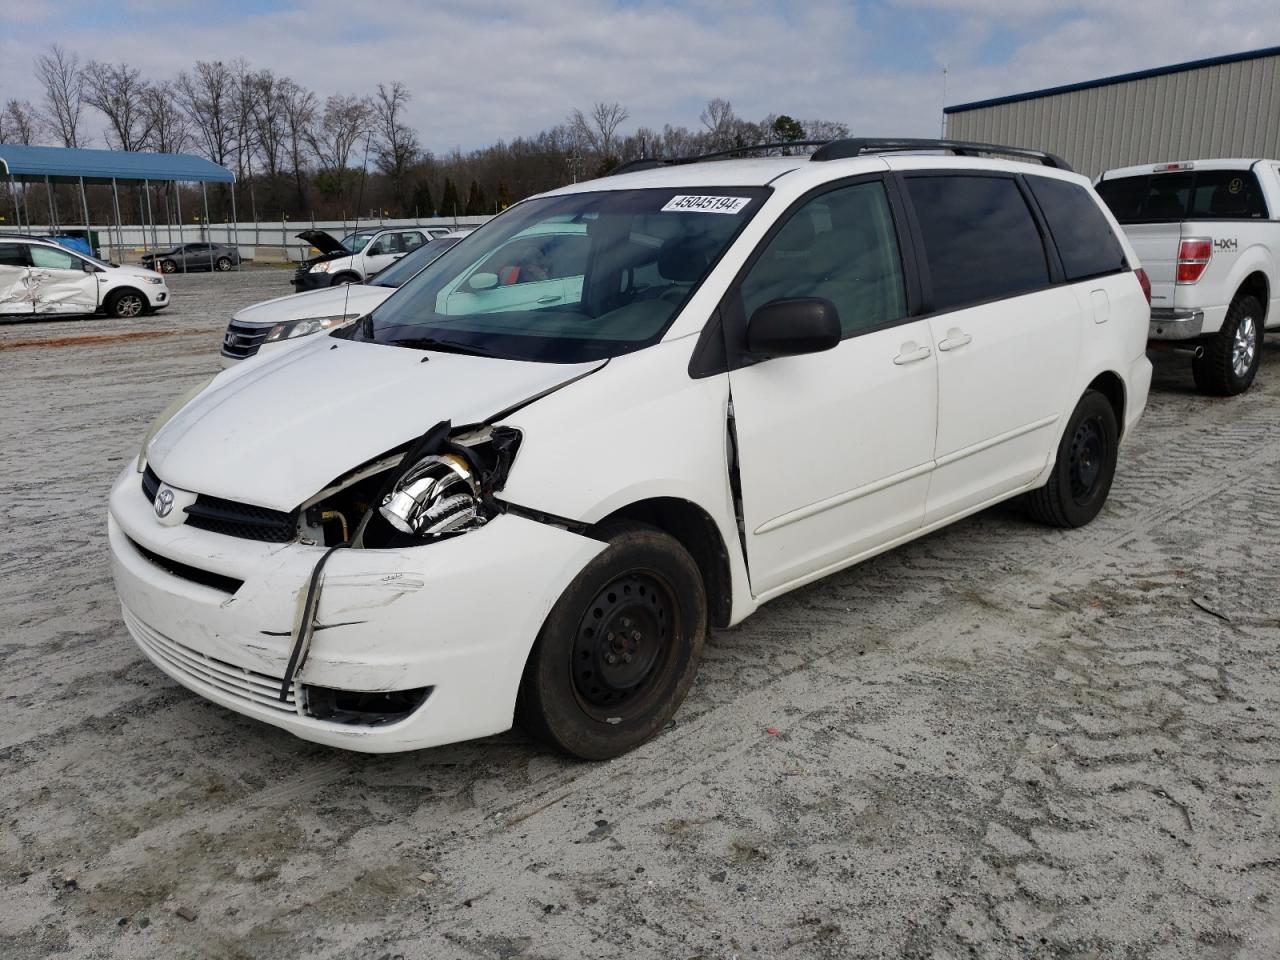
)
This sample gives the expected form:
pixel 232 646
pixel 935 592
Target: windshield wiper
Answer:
pixel 441 346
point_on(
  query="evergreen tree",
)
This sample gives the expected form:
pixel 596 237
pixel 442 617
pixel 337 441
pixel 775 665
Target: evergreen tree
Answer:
pixel 787 128
pixel 504 196
pixel 476 206
pixel 450 205
pixel 423 203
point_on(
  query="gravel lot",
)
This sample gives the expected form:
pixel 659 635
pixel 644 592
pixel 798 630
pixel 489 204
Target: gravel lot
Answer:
pixel 1000 741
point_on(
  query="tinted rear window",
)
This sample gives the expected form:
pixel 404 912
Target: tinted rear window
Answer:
pixel 1188 195
pixel 980 239
pixel 1084 238
pixel 13 255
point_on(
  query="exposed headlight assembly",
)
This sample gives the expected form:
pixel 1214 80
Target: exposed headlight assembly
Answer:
pixel 439 494
pixel 306 326
pixel 323 267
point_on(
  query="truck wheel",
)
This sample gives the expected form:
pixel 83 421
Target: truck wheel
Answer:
pixel 1231 356
pixel 620 648
pixel 1084 468
pixel 124 304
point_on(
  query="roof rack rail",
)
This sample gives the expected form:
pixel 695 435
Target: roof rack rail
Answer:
pixel 843 149
pixel 649 163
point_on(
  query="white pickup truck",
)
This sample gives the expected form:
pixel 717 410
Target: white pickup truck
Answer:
pixel 1208 234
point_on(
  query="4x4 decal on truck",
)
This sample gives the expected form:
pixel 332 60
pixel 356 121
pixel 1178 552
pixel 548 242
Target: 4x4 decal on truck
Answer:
pixel 1225 244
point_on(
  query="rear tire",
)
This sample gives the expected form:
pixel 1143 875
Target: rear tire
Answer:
pixel 620 648
pixel 223 264
pixel 1084 468
pixel 1232 355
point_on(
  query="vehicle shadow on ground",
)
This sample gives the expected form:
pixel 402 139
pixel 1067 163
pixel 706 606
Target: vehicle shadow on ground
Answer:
pixel 1171 371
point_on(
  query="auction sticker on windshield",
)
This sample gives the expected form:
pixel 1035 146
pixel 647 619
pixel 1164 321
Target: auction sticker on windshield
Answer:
pixel 705 204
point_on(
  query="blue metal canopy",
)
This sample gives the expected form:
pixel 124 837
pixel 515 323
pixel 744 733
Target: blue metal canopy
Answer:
pixel 21 162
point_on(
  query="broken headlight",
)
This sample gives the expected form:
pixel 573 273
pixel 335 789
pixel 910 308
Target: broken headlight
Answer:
pixel 438 494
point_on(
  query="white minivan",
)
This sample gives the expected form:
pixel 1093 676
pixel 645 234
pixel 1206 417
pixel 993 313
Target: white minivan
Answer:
pixel 462 511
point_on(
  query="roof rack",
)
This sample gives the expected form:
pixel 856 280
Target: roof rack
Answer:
pixel 842 149
pixel 856 147
pixel 649 163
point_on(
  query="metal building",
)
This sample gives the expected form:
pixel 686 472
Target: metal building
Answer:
pixel 1220 107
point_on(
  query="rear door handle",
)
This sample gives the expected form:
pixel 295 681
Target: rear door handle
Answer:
pixel 955 339
pixel 911 353
pixel 548 299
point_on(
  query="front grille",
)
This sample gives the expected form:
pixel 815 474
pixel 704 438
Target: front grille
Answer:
pixel 203 671
pixel 150 484
pixel 206 578
pixel 242 341
pixel 242 520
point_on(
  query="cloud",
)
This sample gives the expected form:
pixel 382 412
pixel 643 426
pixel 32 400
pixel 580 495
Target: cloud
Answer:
pixel 480 70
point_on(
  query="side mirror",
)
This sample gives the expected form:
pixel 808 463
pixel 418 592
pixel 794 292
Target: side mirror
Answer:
pixel 786 328
pixel 483 281
pixel 88 267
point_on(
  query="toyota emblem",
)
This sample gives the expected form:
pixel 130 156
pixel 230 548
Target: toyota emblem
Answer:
pixel 164 503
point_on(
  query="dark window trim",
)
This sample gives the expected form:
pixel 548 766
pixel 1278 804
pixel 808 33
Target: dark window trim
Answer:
pixel 721 347
pixel 922 259
pixel 1250 171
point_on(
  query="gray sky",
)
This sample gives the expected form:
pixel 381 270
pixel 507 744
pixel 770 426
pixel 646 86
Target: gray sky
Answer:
pixel 481 70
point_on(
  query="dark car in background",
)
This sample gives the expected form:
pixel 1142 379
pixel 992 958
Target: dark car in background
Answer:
pixel 193 256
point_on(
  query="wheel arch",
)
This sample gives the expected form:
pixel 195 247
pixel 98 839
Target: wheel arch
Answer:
pixel 115 293
pixel 1111 385
pixel 346 276
pixel 1255 284
pixel 695 530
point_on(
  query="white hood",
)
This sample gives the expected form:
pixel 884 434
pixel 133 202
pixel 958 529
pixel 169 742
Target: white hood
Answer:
pixel 274 433
pixel 331 301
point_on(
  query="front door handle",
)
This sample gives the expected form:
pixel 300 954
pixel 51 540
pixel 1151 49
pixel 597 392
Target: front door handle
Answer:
pixel 911 353
pixel 955 339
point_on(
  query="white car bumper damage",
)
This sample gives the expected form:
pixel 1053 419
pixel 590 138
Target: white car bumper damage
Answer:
pixel 446 627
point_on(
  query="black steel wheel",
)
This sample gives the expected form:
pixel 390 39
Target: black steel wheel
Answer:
pixel 620 649
pixel 1085 466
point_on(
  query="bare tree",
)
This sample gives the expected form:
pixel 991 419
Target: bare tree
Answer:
pixel 116 90
pixel 345 120
pixel 267 117
pixel 599 130
pixel 397 143
pixel 19 123
pixel 298 107
pixel 206 96
pixel 170 130
pixel 721 123
pixel 59 73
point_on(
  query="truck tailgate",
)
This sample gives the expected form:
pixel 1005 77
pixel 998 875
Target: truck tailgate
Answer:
pixel 1157 247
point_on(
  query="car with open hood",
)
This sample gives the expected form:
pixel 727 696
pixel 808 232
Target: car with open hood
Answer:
pixel 278 323
pixel 526 485
pixel 358 255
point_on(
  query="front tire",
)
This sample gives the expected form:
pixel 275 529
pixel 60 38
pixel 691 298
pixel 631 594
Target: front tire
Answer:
pixel 125 304
pixel 620 648
pixel 1232 355
pixel 342 278
pixel 168 266
pixel 1084 468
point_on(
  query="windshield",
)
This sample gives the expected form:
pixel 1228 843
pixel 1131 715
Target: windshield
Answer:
pixel 411 263
pixel 567 279
pixel 355 242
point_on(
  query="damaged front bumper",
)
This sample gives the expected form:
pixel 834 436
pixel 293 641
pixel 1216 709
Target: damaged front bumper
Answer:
pixel 446 625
